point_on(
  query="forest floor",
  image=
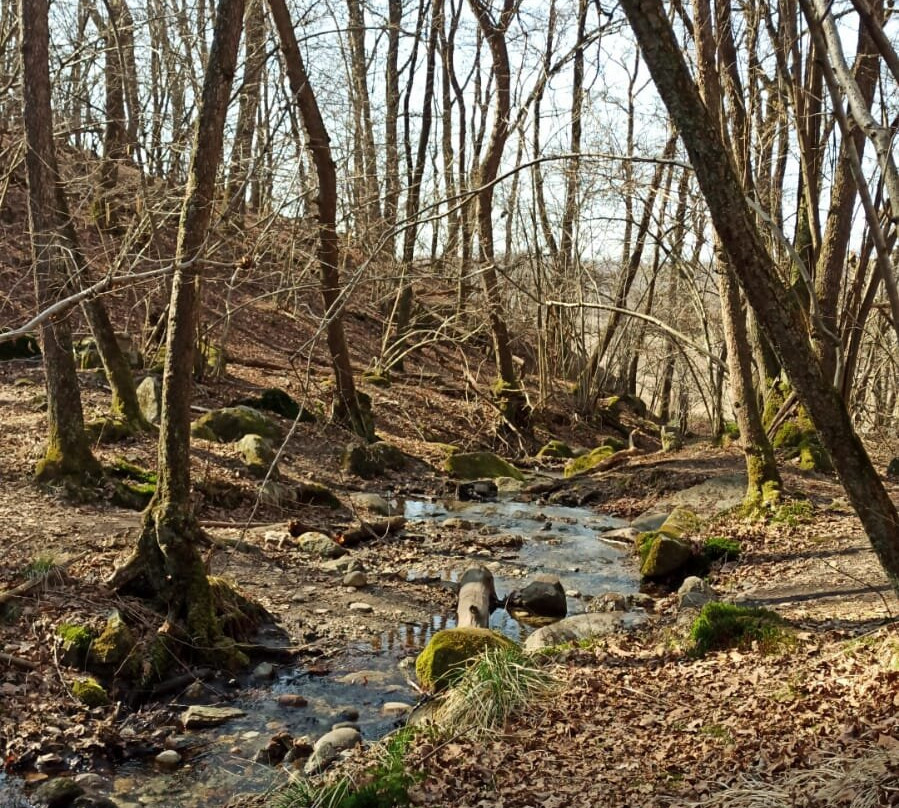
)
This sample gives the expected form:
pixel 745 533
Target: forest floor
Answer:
pixel 639 721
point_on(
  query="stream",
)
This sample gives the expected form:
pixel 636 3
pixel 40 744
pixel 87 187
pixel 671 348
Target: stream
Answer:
pixel 358 683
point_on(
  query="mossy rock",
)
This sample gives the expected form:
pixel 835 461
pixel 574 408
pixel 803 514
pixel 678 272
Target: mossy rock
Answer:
pixel 112 651
pixel 720 626
pixel 24 347
pixel 90 692
pixel 587 462
pixel 76 643
pixel 479 466
pixel 239 615
pixel 663 555
pixel 108 430
pixel 232 423
pixel 444 657
pixel 369 460
pixel 133 486
pixel 318 545
pixel 311 493
pixel 614 406
pixel 207 359
pixel 278 401
pixel 556 449
pixel 258 455
pixel 149 398
pixel 680 522
pixel 376 378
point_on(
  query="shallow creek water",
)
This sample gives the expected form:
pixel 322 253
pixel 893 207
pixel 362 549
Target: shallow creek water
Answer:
pixel 366 675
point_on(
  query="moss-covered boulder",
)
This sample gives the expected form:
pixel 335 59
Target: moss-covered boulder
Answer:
pixel 76 643
pixel 108 430
pixel 89 692
pixel 663 555
pixel 615 406
pixel 258 455
pixel 480 465
pixel 680 522
pixel 444 657
pixel 587 462
pixel 278 401
pixel 312 493
pixel 232 423
pixel 376 378
pixel 24 347
pixel 799 439
pixel 556 449
pixel 370 460
pixel 113 651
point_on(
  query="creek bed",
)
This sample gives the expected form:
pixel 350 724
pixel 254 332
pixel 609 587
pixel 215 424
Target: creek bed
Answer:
pixel 366 675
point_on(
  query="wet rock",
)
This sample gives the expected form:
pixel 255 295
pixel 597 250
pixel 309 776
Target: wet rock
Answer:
pixel 318 545
pixel 91 781
pixel 694 593
pixel 479 465
pixel 345 725
pixel 441 660
pixel 200 716
pixel 302 748
pixel 477 491
pixel 49 763
pixel 149 398
pixel 364 677
pixel 58 793
pixel 361 607
pixel 329 747
pixel 264 671
pixel 355 579
pixel 258 455
pixel 543 597
pixel 509 485
pixel 169 759
pixel 396 708
pixel 94 801
pixel 312 493
pixel 622 535
pixel 576 628
pixel 179 742
pixel 608 602
pixel 292 700
pixel 276 749
pixel 232 423
pixel 348 713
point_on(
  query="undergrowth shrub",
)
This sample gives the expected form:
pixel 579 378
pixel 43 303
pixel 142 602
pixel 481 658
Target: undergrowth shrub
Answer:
pixel 726 625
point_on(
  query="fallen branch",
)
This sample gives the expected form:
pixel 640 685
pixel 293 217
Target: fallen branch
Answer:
pixel 372 530
pixel 18 662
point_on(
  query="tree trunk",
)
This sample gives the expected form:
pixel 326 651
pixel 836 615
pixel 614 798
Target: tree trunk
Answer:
pixel 777 310
pixel 68 454
pixel 348 407
pixel 167 564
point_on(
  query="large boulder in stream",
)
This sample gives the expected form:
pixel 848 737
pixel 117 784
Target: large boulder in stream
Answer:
pixel 232 423
pixel 442 660
pixel 480 465
pixel 543 598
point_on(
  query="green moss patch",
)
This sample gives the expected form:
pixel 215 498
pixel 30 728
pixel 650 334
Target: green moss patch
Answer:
pixel 724 625
pixel 90 692
pixel 232 423
pixel 556 449
pixel 716 548
pixel 443 660
pixel 587 462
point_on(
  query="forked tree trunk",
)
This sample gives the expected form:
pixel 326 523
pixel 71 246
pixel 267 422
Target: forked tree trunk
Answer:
pixel 68 454
pixel 778 312
pixel 347 405
pixel 167 565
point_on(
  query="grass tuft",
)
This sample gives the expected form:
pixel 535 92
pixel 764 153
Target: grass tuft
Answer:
pixel 41 567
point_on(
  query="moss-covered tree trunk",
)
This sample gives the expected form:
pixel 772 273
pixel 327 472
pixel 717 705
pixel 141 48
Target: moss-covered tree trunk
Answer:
pixel 777 310
pixel 349 406
pixel 68 454
pixel 167 565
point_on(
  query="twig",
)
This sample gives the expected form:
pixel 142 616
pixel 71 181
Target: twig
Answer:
pixel 26 664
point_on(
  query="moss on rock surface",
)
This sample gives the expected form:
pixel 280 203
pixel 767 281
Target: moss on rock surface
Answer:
pixel 278 401
pixel 369 460
pixel 442 660
pixel 679 523
pixel 663 555
pixel 76 643
pixel 112 651
pixel 479 466
pixel 587 462
pixel 90 692
pixel 232 423
pixel 556 449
